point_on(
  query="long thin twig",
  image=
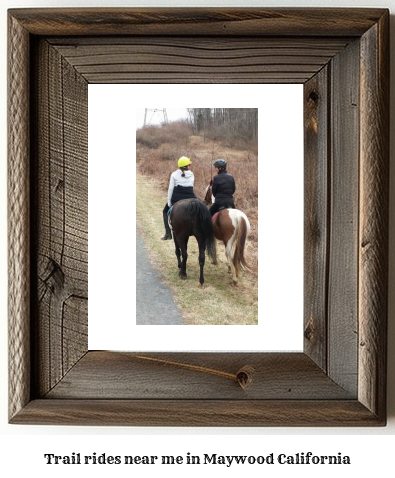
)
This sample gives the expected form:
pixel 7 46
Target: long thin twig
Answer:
pixel 243 377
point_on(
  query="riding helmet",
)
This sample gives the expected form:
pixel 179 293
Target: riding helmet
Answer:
pixel 220 163
pixel 184 161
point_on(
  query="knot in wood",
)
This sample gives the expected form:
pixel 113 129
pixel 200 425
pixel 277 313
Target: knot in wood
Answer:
pixel 244 376
pixel 309 331
pixel 313 96
pixel 53 276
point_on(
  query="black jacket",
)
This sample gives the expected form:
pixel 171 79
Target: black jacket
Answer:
pixel 182 192
pixel 224 186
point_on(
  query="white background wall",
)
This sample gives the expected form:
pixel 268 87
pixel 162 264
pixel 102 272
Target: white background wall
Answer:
pixel 23 447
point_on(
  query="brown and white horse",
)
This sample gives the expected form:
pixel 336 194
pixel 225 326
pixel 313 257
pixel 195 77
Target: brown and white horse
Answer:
pixel 232 227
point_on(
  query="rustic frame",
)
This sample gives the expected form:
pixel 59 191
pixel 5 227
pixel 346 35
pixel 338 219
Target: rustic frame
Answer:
pixel 342 57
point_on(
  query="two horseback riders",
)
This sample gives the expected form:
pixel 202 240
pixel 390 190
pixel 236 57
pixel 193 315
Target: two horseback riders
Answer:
pixel 192 218
pixel 181 187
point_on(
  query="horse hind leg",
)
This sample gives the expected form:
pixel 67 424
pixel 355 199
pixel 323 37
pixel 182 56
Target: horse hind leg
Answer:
pixel 202 258
pixel 183 269
pixel 177 251
pixel 214 261
pixel 231 267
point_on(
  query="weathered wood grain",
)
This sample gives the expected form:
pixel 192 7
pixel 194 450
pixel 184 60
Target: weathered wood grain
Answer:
pixel 18 218
pixel 202 413
pixel 373 227
pixel 330 22
pixel 340 377
pixel 344 211
pixel 61 223
pixel 224 60
pixel 316 215
pixel 205 375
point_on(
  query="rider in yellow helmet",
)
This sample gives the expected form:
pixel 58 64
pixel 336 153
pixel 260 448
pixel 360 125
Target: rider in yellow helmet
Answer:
pixel 181 187
pixel 184 161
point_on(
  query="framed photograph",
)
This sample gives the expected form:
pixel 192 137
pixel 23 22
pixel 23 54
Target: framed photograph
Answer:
pixel 341 57
pixel 148 163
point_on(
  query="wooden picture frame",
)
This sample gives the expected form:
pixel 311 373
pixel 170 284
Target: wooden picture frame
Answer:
pixel 342 58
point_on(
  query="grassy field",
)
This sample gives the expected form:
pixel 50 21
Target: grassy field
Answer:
pixel 219 302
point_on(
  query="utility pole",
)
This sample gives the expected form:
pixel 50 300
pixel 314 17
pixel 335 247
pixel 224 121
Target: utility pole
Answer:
pixel 150 113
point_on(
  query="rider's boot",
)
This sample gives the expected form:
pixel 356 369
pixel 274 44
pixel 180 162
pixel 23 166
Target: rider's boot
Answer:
pixel 167 236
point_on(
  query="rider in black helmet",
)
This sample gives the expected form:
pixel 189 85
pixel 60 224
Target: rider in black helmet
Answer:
pixel 223 188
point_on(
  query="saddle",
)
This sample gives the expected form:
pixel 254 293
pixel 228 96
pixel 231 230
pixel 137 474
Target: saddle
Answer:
pixel 215 215
pixel 219 210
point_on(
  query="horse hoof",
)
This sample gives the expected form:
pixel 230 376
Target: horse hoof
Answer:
pixel 182 276
pixel 201 286
pixel 214 262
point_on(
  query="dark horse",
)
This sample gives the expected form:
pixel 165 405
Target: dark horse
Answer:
pixel 190 217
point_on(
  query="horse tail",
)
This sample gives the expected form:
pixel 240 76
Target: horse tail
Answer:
pixel 239 260
pixel 205 225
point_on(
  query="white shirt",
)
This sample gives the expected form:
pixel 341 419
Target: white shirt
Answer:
pixel 176 179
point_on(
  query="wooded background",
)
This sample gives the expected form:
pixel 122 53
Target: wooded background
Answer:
pixel 232 124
